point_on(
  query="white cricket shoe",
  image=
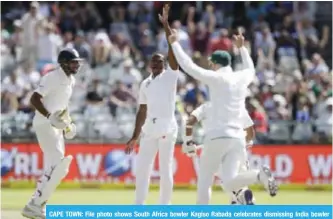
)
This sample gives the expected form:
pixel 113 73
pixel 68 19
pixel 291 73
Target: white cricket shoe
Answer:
pixel 267 179
pixel 33 211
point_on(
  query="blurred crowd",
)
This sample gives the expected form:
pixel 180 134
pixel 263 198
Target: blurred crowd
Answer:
pixel 290 42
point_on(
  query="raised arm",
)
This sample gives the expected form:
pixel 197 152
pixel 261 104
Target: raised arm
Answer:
pixel 186 63
pixel 245 76
pixel 164 20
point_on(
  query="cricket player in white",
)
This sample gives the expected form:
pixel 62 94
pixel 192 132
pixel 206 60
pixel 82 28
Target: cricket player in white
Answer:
pixel 51 123
pixel 245 195
pixel 156 119
pixel 225 138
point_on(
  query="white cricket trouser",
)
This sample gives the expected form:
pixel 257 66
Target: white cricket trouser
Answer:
pixel 149 146
pixel 51 142
pixel 243 168
pixel 232 153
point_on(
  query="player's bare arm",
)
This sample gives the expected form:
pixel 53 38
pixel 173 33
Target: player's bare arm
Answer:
pixel 164 20
pixel 250 134
pixel 36 102
pixel 191 121
pixel 189 147
pixel 139 121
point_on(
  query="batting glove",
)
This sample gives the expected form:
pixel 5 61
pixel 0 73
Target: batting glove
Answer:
pixel 189 147
pixel 70 131
pixel 56 119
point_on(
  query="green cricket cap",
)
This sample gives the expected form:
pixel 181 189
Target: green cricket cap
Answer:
pixel 221 57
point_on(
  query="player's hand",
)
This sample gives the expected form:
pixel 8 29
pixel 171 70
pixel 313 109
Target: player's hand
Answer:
pixel 249 144
pixel 189 147
pixel 239 40
pixel 130 145
pixel 165 14
pixel 173 37
pixel 57 121
pixel 70 131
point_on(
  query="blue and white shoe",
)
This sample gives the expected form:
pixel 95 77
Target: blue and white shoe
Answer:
pixel 245 197
pixel 248 197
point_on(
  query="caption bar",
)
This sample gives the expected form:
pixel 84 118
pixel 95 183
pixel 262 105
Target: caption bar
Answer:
pixel 188 211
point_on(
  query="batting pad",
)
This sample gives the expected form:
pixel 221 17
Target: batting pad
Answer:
pixel 51 182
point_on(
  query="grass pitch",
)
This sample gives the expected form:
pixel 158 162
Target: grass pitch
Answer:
pixel 12 200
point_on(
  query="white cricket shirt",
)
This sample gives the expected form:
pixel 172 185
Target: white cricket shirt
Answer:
pixel 228 91
pixel 159 94
pixel 56 89
pixel 200 114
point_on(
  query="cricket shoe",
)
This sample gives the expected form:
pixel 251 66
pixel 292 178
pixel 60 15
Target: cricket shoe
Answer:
pixel 248 197
pixel 245 197
pixel 33 211
pixel 267 179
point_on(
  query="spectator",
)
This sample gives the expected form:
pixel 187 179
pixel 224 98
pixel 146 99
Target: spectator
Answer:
pixel 70 17
pixel 121 48
pixel 277 13
pixel 303 129
pixel 146 46
pixel 265 72
pixel 82 47
pixel 31 23
pixel 16 39
pixel 90 17
pixel 195 96
pixel 288 24
pixel 223 42
pixel 279 111
pixel 121 97
pixel 9 103
pixel 131 77
pixel 184 39
pixel 287 52
pixel 102 48
pixel 316 66
pixel 259 118
pixel 29 75
pixel 49 45
pixel 265 46
pixel 255 12
pixel 15 84
pixel 324 120
pixel 118 25
pixel 200 34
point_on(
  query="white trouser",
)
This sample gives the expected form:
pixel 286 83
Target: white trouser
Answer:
pixel 232 153
pixel 51 142
pixel 243 168
pixel 149 146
